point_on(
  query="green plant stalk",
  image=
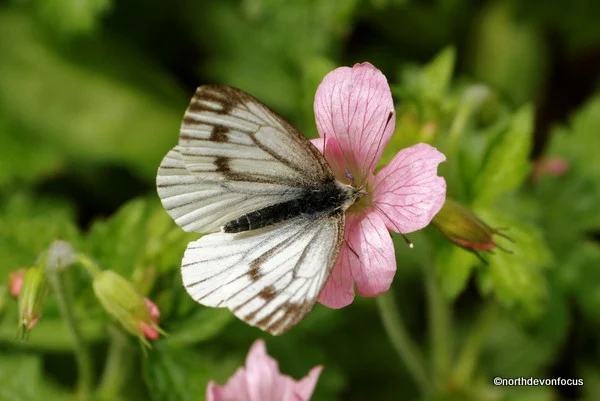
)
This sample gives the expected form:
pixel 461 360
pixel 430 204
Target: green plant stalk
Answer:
pixel 117 363
pixel 89 265
pixel 84 363
pixel 439 328
pixel 406 349
pixel 469 355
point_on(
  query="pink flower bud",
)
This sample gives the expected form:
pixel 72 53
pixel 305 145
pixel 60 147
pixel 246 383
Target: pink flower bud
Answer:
pixel 552 167
pixel 150 332
pixel 461 226
pixel 15 280
pixel 119 297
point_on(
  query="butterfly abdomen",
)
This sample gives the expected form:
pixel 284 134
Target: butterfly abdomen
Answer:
pixel 312 203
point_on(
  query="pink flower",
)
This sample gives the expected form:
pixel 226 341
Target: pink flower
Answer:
pixel 261 380
pixel 150 330
pixel 355 115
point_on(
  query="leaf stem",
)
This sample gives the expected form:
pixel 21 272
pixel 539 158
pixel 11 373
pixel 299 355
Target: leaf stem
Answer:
pixel 469 354
pixel 406 349
pixel 439 327
pixel 117 362
pixel 89 265
pixel 65 303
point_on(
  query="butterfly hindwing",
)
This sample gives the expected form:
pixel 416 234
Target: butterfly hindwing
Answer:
pixel 271 277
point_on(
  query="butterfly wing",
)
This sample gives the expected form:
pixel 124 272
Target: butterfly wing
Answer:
pixel 234 156
pixel 269 278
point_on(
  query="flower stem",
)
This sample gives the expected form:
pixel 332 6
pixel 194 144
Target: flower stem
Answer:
pixel 116 363
pixel 89 265
pixel 470 352
pixel 439 327
pixel 407 350
pixel 64 299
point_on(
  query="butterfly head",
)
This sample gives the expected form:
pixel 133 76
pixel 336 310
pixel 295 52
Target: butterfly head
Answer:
pixel 356 198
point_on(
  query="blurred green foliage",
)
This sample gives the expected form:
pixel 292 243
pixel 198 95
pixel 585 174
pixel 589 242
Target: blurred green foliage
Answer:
pixel 91 97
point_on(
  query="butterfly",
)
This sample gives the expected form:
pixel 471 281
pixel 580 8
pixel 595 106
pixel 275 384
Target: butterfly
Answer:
pixel 267 200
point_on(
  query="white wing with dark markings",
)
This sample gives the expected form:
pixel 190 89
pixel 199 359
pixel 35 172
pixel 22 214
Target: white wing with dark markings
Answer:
pixel 234 156
pixel 271 277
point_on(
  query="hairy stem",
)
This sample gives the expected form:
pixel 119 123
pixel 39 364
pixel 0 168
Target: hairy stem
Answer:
pixel 439 327
pixel 117 363
pixel 469 354
pixel 84 363
pixel 406 349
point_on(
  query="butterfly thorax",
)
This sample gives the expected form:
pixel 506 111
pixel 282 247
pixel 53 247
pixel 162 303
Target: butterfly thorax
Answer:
pixel 328 199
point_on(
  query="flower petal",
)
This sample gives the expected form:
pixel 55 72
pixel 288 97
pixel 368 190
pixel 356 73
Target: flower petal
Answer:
pixel 306 386
pixel 372 271
pixel 408 191
pixel 356 103
pixel 236 389
pixel 339 288
pixel 263 374
pixel 375 266
pixel 334 156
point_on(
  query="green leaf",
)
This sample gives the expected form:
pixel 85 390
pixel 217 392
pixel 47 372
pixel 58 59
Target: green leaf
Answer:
pixel 514 348
pixel 176 374
pixel 140 235
pixel 454 266
pixel 50 334
pixel 517 279
pixel 283 43
pixel 72 16
pixel 203 325
pixel 500 38
pixel 21 379
pixel 590 374
pixel 22 157
pixel 29 226
pixel 507 163
pixel 436 76
pixel 570 202
pixel 108 104
pixel 539 393
pixel 579 272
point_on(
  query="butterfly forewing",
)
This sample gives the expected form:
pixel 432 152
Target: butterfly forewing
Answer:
pixel 234 157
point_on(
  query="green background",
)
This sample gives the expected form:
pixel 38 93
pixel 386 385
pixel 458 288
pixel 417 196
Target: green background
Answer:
pixel 92 93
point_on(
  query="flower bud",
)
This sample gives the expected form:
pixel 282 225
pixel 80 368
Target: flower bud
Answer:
pixel 32 296
pixel 461 226
pixel 123 302
pixel 551 167
pixel 150 332
pixel 15 282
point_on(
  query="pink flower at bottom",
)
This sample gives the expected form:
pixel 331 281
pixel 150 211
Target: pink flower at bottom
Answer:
pixel 355 116
pixel 260 380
